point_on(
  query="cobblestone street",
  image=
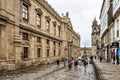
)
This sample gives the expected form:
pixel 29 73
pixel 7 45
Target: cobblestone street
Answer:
pixel 65 74
pixel 50 72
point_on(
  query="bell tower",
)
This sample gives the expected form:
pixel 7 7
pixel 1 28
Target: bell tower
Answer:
pixel 95 36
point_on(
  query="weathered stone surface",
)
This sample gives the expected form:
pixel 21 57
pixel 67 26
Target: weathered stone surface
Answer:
pixel 13 25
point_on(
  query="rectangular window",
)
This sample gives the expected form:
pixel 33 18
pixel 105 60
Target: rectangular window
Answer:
pixel 38 20
pixel 47 26
pixel 59 31
pixel 25 12
pixel 54 43
pixel 39 39
pixel 47 52
pixel 25 36
pixel 38 52
pixel 117 27
pixel 117 33
pixel 47 41
pixel 59 44
pixel 54 29
pixel 25 54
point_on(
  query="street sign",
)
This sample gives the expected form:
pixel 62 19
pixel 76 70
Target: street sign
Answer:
pixel 115 45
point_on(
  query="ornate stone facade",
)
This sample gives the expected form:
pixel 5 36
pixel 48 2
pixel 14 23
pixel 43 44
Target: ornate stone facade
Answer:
pixel 32 33
pixel 95 36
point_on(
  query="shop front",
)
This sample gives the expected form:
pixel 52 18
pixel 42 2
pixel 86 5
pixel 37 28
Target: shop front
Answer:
pixel 115 50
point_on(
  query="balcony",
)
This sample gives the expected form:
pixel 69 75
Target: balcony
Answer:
pixel 110 15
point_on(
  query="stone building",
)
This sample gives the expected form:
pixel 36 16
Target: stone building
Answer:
pixel 32 33
pixel 95 36
pixel 86 51
pixel 116 15
pixel 104 33
pixel 110 27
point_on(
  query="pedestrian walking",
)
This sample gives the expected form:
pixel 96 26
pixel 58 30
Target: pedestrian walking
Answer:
pixel 95 56
pixel 79 64
pixel 65 62
pixel 113 56
pixel 58 62
pixel 75 64
pixel 101 58
pixel 70 64
pixel 85 63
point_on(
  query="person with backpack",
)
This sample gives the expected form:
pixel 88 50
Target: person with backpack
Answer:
pixel 85 63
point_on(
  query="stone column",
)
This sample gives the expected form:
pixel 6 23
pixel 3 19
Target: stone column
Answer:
pixel 17 40
pixel 17 46
pixel 3 51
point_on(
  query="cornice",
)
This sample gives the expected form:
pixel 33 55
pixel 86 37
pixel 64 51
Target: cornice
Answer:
pixel 49 9
pixel 4 18
pixel 40 33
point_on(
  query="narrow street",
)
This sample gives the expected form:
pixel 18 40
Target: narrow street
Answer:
pixel 50 72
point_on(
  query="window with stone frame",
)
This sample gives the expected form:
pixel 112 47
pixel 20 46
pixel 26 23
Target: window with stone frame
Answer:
pixel 39 39
pixel 59 29
pixel 59 45
pixel 25 36
pixel 54 43
pixel 25 4
pixel 25 11
pixel 54 29
pixel 48 42
pixel 38 17
pixel 38 52
pixel 25 52
pixel 47 25
pixel 48 52
pixel 38 20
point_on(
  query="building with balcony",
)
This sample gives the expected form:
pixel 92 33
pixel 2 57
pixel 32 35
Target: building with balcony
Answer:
pixel 104 32
pixel 116 15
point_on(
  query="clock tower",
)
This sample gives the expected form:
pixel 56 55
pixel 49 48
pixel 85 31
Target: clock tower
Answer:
pixel 95 36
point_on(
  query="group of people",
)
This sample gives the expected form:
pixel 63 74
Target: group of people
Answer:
pixel 78 63
pixel 115 56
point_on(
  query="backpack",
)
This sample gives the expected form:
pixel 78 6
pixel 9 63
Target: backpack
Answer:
pixel 84 62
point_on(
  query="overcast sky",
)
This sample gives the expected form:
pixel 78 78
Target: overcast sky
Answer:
pixel 81 13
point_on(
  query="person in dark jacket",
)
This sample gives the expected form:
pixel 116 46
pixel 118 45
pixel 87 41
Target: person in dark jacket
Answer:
pixel 58 62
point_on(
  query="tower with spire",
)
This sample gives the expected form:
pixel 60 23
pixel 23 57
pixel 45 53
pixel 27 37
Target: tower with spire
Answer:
pixel 95 37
